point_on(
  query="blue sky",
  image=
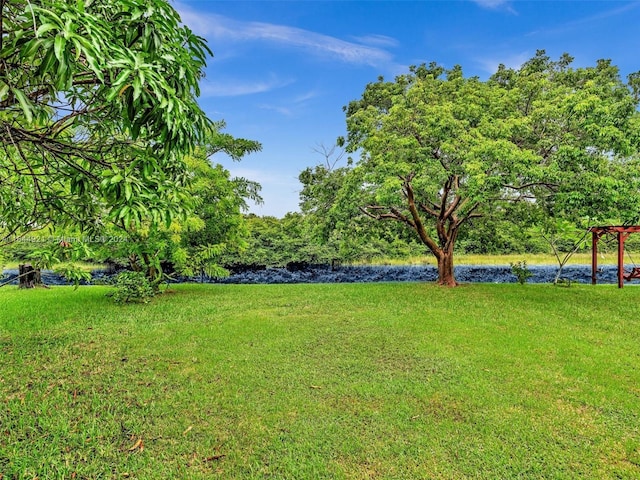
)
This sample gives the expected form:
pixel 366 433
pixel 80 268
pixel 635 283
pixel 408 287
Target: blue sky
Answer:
pixel 282 71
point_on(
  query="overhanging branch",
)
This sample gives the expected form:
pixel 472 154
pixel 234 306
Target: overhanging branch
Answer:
pixel 549 185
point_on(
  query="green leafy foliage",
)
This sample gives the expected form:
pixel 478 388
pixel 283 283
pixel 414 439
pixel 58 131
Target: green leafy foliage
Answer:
pixel 73 274
pixel 132 287
pixel 275 242
pixel 97 108
pixel 219 199
pixel 331 221
pixel 521 271
pixel 193 245
pixel 271 241
pixel 200 261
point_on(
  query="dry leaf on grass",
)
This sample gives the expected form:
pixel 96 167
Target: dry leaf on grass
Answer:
pixel 215 457
pixel 139 445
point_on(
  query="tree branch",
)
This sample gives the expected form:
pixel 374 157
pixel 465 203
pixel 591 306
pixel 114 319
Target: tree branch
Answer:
pixel 393 214
pixel 470 214
pixel 419 227
pixel 548 185
pixel 426 209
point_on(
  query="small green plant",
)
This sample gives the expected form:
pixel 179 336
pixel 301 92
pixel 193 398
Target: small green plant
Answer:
pixel 521 271
pixel 132 287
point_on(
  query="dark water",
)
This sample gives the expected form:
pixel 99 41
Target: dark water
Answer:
pixel 365 274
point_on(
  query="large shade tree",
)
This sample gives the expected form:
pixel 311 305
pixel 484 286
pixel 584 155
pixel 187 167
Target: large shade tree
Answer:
pixel 438 148
pixel 97 108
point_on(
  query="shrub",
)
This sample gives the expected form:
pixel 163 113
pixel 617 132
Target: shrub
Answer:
pixel 132 287
pixel 521 271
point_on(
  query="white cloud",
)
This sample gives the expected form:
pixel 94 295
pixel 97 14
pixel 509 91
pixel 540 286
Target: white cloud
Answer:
pixel 234 88
pixel 378 40
pixel 491 3
pixel 219 27
pixel 496 5
pixel 563 28
pixel 293 106
pixel 286 111
pixel 304 97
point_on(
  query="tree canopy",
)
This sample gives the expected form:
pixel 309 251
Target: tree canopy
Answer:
pixel 438 148
pixel 97 108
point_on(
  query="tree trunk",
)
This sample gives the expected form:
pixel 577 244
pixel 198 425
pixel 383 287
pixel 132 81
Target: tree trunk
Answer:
pixel 28 276
pixel 445 269
pixel 446 217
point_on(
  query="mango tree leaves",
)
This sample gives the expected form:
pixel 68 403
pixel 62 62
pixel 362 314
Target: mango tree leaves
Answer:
pixel 97 108
pixel 191 245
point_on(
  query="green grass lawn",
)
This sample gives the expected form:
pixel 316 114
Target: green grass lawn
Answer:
pixel 358 381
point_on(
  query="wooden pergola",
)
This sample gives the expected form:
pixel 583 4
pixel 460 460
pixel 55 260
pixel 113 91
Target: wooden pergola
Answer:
pixel 622 233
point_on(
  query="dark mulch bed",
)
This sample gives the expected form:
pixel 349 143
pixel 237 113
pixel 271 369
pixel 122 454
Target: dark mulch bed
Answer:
pixel 361 274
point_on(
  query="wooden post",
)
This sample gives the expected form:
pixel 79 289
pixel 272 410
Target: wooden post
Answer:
pixel 621 238
pixel 594 256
